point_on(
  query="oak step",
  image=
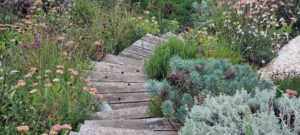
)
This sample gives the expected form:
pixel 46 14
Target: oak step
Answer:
pixel 156 124
pixel 128 105
pixel 153 39
pixel 145 45
pixel 118 87
pixel 126 113
pixel 114 98
pixel 133 55
pixel 119 131
pixel 139 50
pixel 111 67
pixel 122 60
pixel 117 77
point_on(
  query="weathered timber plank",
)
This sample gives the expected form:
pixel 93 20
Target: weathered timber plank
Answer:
pixel 118 87
pixel 157 124
pixel 128 105
pixel 139 50
pixel 122 60
pixel 120 131
pixel 114 98
pixel 126 113
pixel 133 55
pixel 110 67
pixel 117 77
pixel 153 39
pixel 145 45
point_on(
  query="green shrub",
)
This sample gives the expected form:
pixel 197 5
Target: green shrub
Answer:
pixel 290 82
pixel 158 65
pixel 244 114
pixel 155 107
pixel 194 78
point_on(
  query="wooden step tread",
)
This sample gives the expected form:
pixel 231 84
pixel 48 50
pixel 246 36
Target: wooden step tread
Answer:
pixel 118 87
pixel 111 67
pixel 119 131
pixel 156 124
pixel 115 98
pixel 117 77
pixel 126 113
pixel 122 60
pixel 128 105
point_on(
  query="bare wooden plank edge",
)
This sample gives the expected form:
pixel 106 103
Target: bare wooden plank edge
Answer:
pixel 117 77
pixel 126 113
pixel 139 50
pixel 153 39
pixel 155 124
pixel 145 45
pixel 132 55
pixel 126 97
pixel 128 105
pixel 137 53
pixel 122 60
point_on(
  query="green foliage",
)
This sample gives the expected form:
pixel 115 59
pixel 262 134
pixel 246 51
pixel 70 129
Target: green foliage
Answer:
pixel 192 78
pixel 158 65
pixel 290 82
pixel 155 107
pixel 179 10
pixel 244 114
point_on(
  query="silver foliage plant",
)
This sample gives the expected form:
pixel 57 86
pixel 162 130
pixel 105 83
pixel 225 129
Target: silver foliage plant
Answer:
pixel 243 114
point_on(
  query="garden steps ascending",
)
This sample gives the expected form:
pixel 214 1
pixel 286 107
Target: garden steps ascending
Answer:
pixel 122 82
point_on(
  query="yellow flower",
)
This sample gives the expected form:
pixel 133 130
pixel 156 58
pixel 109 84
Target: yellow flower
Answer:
pixel 143 61
pixel 227 16
pixel 234 23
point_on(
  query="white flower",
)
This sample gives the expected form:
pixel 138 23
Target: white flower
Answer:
pixel 1 78
pixel 263 62
pixel 13 72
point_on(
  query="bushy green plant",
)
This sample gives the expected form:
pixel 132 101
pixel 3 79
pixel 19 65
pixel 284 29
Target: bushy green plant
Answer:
pixel 194 78
pixel 158 65
pixel 244 114
pixel 254 28
pixel 291 82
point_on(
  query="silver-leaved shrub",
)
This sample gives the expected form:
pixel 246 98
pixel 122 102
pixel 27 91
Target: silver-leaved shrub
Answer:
pixel 243 114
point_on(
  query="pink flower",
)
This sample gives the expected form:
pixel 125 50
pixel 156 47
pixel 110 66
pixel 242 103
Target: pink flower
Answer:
pixel 13 40
pixel 86 80
pixel 265 7
pixel 55 80
pixel 70 43
pixel 93 89
pixel 99 96
pixel 60 38
pixel 21 83
pixel 53 132
pixel 23 128
pixel 281 3
pixel 292 92
pixel 48 71
pixel 66 126
pixel 59 66
pixel 235 7
pixel 98 43
pixel 70 69
pixel 50 0
pixel 274 6
pixel 34 69
pixel 54 10
pixel 74 72
pixel 35 84
pixel 48 85
pixel 57 127
pixel 59 72
pixel 33 91
pixel 38 2
pixel 38 9
pixel 65 53
pixel 28 75
pixel 242 2
pixel 254 1
pixel 85 89
pixel 45 134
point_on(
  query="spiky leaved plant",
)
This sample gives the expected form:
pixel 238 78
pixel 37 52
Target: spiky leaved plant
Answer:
pixel 190 78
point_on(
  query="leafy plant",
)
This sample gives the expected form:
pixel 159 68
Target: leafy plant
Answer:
pixel 193 79
pixel 158 65
pixel 290 82
pixel 244 114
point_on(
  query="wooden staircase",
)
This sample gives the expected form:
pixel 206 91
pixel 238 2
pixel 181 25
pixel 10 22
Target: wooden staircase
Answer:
pixel 121 80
